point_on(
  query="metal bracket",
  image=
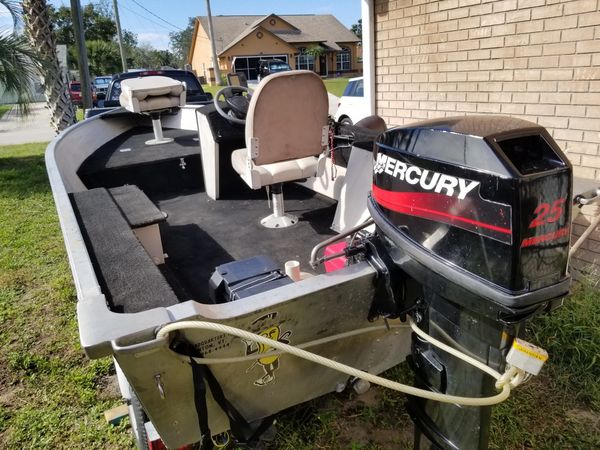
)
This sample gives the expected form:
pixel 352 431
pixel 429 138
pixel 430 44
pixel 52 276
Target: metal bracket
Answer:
pixel 384 303
pixel 254 147
pixel 325 136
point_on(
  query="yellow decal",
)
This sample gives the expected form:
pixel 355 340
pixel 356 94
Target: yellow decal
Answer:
pixel 271 333
pixel 269 364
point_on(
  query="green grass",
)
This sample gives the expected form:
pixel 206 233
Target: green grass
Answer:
pixel 334 86
pixel 212 89
pixel 4 109
pixel 561 407
pixel 51 396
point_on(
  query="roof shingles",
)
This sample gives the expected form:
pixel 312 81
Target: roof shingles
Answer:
pixel 324 29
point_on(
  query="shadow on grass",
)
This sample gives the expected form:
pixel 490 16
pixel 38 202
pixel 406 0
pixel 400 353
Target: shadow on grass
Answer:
pixel 21 177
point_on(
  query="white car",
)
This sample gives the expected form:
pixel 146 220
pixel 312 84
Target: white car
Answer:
pixel 352 106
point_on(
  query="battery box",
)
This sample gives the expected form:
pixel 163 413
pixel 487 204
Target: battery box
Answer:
pixel 239 279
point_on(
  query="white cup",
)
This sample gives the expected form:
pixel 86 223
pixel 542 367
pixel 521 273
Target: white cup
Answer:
pixel 292 270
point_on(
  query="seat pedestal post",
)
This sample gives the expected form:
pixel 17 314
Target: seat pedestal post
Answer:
pixel 279 218
pixel 158 134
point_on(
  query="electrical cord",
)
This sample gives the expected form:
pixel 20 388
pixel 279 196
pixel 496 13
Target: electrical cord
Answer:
pixel 504 382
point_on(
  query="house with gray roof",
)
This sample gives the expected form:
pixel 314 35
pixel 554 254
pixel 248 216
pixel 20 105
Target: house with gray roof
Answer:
pixel 305 41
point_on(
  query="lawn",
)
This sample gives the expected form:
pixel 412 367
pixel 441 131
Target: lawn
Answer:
pixel 51 396
pixel 334 86
pixel 4 109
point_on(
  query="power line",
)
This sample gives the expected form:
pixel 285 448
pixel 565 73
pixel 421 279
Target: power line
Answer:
pixel 144 17
pixel 157 16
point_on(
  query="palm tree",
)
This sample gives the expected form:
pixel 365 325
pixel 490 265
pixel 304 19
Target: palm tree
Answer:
pixel 38 29
pixel 18 67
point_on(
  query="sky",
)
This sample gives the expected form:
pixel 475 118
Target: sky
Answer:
pixel 154 29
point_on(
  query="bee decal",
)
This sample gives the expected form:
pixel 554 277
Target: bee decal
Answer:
pixel 268 364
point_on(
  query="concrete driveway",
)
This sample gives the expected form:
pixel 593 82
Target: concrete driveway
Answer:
pixel 17 129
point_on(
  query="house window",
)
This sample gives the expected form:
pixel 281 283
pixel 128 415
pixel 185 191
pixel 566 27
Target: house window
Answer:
pixel 343 59
pixel 304 61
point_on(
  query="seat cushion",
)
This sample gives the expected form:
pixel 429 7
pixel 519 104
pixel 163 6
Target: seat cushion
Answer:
pixel 151 93
pixel 287 117
pixel 258 176
pixel 162 102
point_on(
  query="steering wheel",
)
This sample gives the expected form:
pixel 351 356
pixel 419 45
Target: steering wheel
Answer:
pixel 238 104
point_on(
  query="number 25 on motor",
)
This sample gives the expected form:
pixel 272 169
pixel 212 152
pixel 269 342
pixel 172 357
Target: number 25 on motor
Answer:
pixel 547 213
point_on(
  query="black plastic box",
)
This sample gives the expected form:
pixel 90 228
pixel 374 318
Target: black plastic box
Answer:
pixel 239 279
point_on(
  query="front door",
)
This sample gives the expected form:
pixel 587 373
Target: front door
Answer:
pixel 323 65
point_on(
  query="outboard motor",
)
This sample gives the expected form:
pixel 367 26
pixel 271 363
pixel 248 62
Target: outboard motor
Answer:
pixel 473 215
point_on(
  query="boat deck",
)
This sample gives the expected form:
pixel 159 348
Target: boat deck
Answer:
pixel 199 233
pixel 129 149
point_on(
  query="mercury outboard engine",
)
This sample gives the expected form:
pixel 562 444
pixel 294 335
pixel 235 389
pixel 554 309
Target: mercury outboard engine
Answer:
pixel 473 215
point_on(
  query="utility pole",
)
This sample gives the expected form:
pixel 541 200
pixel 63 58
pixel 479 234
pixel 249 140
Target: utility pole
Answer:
pixel 212 44
pixel 120 36
pixel 84 67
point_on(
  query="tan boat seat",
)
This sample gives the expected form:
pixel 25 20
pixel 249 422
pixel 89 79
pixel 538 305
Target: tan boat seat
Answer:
pixel 152 95
pixel 286 136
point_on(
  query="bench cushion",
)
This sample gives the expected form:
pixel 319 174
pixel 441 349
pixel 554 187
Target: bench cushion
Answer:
pixel 151 93
pixel 138 210
pixel 129 278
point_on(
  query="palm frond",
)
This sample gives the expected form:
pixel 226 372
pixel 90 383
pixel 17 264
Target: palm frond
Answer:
pixel 18 68
pixel 15 9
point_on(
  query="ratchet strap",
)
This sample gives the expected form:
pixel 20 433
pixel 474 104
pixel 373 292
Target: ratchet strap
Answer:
pixel 241 430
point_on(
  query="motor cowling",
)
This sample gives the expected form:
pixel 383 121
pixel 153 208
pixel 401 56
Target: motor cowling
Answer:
pixel 488 195
pixel 476 212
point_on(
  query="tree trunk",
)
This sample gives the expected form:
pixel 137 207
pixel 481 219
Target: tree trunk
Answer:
pixel 39 32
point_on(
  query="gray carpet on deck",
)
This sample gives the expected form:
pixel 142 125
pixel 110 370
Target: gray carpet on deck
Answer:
pixel 201 233
pixel 127 275
pixel 129 149
pixel 138 210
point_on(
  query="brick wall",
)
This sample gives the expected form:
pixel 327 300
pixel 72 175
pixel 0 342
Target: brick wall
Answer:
pixel 534 59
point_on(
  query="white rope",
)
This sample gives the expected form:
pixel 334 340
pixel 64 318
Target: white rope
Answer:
pixel 466 358
pixel 502 383
pixel 316 342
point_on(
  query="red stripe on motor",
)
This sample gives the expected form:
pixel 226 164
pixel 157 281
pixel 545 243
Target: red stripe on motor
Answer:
pixel 405 203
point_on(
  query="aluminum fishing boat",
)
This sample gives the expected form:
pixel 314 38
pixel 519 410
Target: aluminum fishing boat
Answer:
pixel 222 306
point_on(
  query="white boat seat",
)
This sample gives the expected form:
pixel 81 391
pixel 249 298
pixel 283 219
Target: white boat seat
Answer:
pixel 268 174
pixel 152 95
pixel 286 136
